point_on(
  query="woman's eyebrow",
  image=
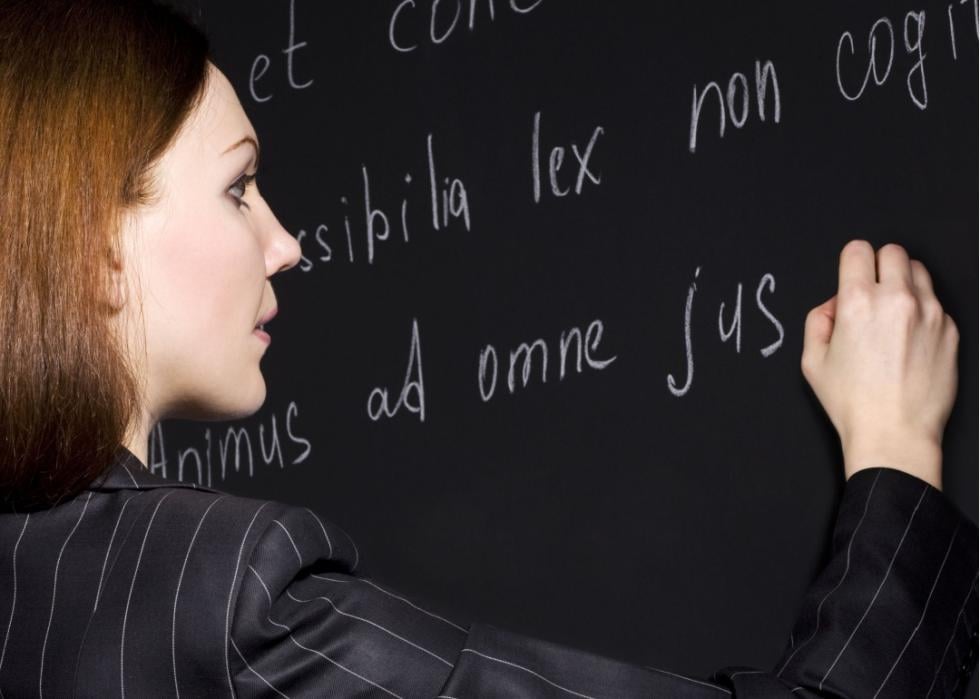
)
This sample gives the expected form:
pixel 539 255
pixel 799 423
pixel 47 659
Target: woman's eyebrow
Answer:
pixel 244 140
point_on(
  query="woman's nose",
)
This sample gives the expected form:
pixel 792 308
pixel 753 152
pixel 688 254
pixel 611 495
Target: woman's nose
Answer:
pixel 282 249
pixel 286 249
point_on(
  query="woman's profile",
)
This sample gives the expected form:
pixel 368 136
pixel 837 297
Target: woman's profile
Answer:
pixel 138 258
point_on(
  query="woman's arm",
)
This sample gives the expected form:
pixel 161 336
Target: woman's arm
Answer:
pixel 892 614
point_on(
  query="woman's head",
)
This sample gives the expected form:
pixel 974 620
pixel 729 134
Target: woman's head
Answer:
pixel 199 261
pixel 131 279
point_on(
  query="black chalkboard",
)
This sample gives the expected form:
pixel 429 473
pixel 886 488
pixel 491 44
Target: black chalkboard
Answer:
pixel 530 170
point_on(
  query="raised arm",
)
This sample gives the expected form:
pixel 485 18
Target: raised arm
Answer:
pixel 892 614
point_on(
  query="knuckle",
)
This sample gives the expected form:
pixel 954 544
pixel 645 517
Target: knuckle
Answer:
pixel 806 364
pixel 855 301
pixel 932 310
pixel 951 327
pixel 903 302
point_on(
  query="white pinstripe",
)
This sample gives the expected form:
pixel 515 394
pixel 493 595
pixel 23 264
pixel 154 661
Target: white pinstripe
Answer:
pixel 262 583
pixel 952 635
pixel 880 585
pixel 98 591
pixel 688 679
pixel 54 589
pixel 129 597
pixel 323 529
pixel 238 561
pixel 312 650
pixel 840 582
pixel 372 623
pixel 180 579
pixel 130 474
pixel 966 623
pixel 13 604
pixel 347 669
pixel 528 670
pixel 411 604
pixel 922 616
pixel 357 556
pixel 747 672
pixel 398 597
pixel 256 672
pixel 290 537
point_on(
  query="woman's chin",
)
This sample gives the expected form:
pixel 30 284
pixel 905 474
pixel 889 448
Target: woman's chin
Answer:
pixel 231 405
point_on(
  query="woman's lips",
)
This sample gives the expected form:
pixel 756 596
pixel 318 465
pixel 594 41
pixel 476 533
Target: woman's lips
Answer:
pixel 259 330
pixel 268 316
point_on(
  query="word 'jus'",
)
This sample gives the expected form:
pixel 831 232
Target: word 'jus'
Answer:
pixel 449 201
pixel 735 327
pixel 738 84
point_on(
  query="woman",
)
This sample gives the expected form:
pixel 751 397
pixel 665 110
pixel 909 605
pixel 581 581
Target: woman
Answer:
pixel 138 253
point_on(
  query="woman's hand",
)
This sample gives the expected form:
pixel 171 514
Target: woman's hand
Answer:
pixel 881 357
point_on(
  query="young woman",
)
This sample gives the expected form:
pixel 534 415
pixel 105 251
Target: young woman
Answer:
pixel 138 253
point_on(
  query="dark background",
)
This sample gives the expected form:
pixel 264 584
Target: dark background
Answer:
pixel 599 510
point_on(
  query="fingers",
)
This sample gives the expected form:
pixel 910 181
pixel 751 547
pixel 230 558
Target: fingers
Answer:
pixel 817 331
pixel 893 266
pixel 889 266
pixel 921 280
pixel 857 265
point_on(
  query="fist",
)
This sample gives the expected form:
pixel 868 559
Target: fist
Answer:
pixel 881 357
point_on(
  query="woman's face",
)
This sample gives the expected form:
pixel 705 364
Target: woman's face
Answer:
pixel 204 255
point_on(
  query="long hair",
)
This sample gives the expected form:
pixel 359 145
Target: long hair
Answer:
pixel 92 92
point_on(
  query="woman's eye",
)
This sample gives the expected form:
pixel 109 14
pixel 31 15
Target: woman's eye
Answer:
pixel 238 188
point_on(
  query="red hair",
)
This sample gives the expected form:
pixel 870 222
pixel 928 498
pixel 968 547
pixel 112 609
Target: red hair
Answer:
pixel 92 92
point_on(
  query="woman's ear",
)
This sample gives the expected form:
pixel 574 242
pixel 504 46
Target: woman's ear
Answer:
pixel 117 284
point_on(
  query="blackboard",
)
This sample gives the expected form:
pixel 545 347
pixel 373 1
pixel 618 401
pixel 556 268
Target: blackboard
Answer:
pixel 532 172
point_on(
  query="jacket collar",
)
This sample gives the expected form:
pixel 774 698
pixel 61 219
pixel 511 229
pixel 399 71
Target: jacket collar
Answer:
pixel 128 472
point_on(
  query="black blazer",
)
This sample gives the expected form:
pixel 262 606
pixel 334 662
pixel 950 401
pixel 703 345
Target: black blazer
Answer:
pixel 146 587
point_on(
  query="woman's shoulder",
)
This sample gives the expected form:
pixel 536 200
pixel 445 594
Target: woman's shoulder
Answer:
pixel 154 564
pixel 215 513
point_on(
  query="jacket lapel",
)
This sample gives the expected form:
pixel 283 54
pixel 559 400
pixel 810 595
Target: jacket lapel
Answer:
pixel 128 472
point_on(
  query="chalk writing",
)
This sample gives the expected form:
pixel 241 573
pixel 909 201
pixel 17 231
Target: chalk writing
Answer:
pixel 913 29
pixel 201 461
pixel 767 280
pixel 488 365
pixel 413 382
pixel 738 91
pixel 555 159
pixel 256 73
pixel 448 199
pixel 441 27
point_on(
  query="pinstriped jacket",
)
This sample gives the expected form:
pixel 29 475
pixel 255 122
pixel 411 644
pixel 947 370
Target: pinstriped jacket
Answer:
pixel 146 587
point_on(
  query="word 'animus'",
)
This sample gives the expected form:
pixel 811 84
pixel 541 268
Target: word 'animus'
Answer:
pixel 238 447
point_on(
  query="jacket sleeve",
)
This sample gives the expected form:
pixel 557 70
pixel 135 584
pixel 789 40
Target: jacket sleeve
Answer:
pixel 892 614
